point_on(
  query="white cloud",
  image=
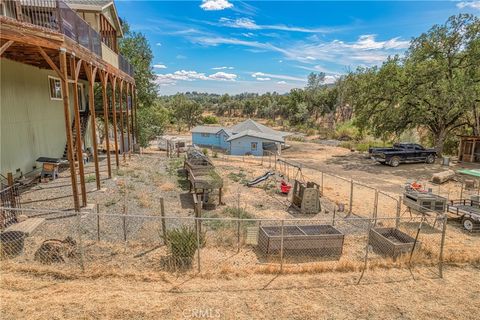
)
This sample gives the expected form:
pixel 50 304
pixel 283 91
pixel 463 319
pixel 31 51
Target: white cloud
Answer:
pixel 262 75
pixel 263 79
pixel 365 50
pixel 223 76
pixel 469 4
pixel 223 68
pixel 215 5
pixel 160 66
pixel 250 24
pixel 281 82
pixel 158 44
pixel 190 75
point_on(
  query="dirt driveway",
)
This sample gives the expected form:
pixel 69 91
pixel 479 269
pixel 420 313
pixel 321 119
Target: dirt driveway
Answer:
pixel 360 167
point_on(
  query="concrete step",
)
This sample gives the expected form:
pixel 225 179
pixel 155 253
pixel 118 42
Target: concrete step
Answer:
pixel 27 226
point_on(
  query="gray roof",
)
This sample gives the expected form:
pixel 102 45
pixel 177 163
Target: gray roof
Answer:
pixel 249 124
pixel 256 134
pixel 207 129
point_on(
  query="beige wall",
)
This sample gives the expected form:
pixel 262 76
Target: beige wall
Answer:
pixel 32 125
pixel 109 55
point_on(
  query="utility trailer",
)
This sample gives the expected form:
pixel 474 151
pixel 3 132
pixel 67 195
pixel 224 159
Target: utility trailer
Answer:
pixel 468 210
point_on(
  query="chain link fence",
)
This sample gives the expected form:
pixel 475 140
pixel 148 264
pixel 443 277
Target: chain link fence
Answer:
pixel 95 242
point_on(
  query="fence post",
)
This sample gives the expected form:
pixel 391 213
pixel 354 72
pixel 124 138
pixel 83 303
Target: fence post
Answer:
pixel 442 245
pixel 322 183
pixel 275 162
pixel 80 241
pixel 399 206
pixel 461 191
pixel 164 228
pixel 281 248
pixel 350 205
pixel 98 222
pixel 365 262
pixel 197 223
pixel 375 207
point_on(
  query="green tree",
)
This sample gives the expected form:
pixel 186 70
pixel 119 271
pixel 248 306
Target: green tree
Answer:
pixel 186 111
pixel 135 48
pixel 154 121
pixel 431 87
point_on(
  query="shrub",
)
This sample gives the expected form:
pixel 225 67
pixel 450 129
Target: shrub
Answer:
pixel 215 154
pixel 182 245
pixel 205 151
pixel 210 120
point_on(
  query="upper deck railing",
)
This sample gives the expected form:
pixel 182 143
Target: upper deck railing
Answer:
pixel 56 15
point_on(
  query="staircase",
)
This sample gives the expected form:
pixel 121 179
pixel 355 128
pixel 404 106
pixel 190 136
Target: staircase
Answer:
pixel 83 128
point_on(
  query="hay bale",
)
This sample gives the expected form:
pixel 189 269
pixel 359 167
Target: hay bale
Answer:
pixel 442 177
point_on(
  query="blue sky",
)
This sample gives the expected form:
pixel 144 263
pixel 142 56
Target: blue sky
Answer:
pixel 225 46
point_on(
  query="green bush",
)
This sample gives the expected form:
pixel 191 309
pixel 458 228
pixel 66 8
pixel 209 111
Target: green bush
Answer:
pixel 182 245
pixel 210 120
pixel 205 151
pixel 347 131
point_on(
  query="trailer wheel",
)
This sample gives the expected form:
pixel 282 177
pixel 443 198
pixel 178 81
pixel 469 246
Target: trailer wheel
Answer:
pixel 395 161
pixel 468 224
pixel 430 159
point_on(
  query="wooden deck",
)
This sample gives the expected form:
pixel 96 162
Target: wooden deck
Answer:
pixel 28 226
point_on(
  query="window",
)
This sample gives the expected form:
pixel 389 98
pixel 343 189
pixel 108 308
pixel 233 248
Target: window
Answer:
pixel 55 88
pixel 254 146
pixel 206 135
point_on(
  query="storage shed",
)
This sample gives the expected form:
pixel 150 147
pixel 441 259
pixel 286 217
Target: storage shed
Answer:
pixel 469 149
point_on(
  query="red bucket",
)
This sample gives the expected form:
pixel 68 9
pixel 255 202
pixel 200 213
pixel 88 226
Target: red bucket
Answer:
pixel 285 188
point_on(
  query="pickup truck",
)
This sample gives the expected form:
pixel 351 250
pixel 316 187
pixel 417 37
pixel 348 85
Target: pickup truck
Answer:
pixel 402 153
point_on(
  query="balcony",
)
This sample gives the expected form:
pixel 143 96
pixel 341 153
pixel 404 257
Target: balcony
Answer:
pixel 57 16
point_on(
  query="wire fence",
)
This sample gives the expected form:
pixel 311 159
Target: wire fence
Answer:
pixel 94 242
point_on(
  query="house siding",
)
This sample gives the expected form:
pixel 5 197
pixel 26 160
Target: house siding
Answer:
pixel 211 140
pixel 32 125
pixel 242 146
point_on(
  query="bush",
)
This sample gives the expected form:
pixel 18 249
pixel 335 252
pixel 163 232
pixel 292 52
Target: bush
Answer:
pixel 182 245
pixel 205 151
pixel 210 120
pixel 347 131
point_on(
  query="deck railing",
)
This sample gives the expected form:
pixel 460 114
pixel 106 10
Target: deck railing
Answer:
pixel 56 15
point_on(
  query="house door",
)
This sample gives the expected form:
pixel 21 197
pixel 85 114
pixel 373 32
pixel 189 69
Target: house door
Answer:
pixel 468 151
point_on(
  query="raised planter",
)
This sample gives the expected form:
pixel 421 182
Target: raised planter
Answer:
pixel 317 240
pixel 391 242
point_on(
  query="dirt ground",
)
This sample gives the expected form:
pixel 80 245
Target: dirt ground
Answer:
pixel 394 295
pixel 140 183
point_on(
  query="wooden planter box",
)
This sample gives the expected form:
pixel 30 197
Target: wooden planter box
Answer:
pixel 317 240
pixel 391 242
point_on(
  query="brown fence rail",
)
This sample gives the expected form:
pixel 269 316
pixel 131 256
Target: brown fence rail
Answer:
pixel 58 16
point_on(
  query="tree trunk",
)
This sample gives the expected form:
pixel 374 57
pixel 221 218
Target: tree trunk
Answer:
pixel 439 141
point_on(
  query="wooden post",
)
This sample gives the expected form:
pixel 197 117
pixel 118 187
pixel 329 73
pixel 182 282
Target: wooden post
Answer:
pixel 128 123
pixel 164 225
pixel 134 103
pixel 104 79
pixel 220 196
pixel 399 207
pixel 114 111
pixel 442 245
pixel 122 143
pixel 66 111
pixel 91 72
pixel 74 72
pixel 10 181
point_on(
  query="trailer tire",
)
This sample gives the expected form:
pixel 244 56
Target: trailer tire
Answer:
pixel 430 159
pixel 468 224
pixel 394 162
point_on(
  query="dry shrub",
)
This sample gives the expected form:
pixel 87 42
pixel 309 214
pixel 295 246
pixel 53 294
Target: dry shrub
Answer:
pixel 167 186
pixel 144 200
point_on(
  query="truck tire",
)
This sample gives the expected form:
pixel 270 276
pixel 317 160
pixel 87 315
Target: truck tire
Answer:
pixel 430 159
pixel 395 162
pixel 468 224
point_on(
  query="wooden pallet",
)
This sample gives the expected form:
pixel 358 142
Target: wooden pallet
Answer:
pixel 27 226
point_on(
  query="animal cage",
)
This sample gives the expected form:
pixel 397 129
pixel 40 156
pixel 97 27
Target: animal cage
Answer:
pixel 424 202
